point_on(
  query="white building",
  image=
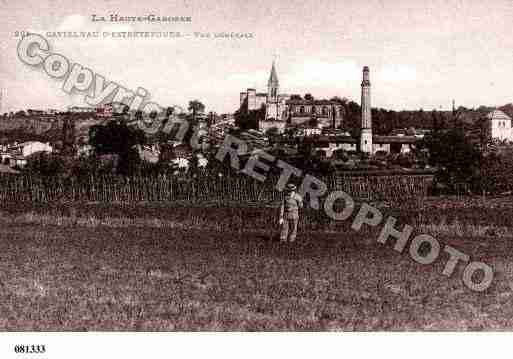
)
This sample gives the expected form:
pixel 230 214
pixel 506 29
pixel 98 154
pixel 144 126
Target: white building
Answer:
pixel 28 148
pixel 499 126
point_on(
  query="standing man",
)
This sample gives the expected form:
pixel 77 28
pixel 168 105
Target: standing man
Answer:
pixel 289 213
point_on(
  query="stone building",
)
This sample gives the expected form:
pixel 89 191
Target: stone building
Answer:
pixel 273 101
pixel 317 113
pixel 283 110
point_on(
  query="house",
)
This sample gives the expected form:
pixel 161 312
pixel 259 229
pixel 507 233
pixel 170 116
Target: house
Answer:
pixel 5 158
pixel 394 144
pixel 420 133
pixel 17 153
pixel 18 161
pixel 331 144
pixel 28 148
pixel 388 144
pixel 499 126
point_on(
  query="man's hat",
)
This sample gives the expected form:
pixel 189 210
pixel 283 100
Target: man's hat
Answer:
pixel 290 187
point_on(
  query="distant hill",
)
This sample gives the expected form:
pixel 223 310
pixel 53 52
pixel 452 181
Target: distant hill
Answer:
pixel 43 129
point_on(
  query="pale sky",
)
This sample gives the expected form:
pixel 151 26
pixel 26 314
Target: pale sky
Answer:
pixel 422 54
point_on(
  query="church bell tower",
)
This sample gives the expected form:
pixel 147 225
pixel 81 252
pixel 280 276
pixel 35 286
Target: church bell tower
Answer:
pixel 273 85
pixel 272 103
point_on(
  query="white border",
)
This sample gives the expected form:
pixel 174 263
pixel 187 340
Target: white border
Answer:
pixel 258 345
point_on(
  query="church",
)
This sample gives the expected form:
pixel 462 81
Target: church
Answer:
pixel 283 110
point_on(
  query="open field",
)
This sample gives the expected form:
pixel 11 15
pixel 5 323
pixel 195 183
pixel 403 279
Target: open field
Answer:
pixel 155 267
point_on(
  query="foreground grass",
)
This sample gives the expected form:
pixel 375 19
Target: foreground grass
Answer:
pixel 72 276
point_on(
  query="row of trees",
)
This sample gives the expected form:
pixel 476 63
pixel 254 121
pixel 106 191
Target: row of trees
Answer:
pixel 465 165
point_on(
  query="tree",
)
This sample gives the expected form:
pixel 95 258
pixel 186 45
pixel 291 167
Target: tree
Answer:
pixel 339 100
pixel 353 115
pixel 456 158
pixel 116 137
pixel 272 131
pixel 379 120
pixel 195 107
pixel 437 121
pixel 44 164
pixel 68 137
pixel 309 97
pixel 246 120
pixel 496 170
pixel 313 122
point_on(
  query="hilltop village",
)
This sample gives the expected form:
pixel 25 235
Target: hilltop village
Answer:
pixel 317 134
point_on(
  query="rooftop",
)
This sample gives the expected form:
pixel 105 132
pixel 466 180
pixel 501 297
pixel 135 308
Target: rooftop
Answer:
pixel 311 102
pixel 395 139
pixel 498 115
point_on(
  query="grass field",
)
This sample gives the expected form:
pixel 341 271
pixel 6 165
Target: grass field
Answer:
pixel 115 267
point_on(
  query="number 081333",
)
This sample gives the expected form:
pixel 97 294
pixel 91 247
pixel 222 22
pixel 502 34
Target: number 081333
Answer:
pixel 29 349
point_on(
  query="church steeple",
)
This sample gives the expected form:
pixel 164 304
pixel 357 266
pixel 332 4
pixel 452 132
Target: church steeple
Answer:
pixel 273 78
pixel 273 85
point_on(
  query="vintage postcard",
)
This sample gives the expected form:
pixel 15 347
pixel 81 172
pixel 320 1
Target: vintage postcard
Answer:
pixel 318 165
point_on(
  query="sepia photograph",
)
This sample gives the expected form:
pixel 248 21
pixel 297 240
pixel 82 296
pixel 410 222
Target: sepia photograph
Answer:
pixel 263 166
